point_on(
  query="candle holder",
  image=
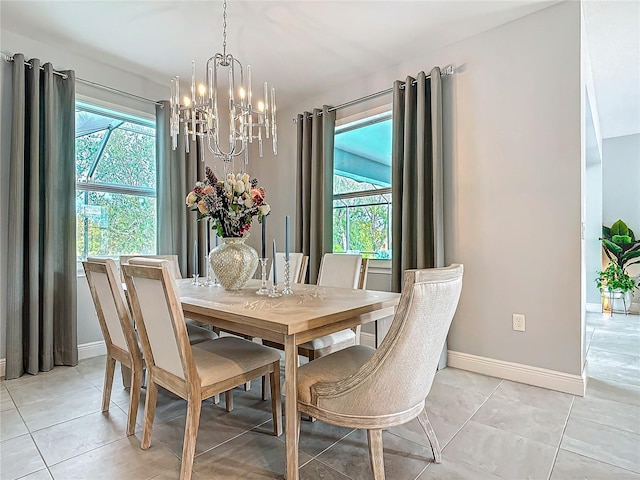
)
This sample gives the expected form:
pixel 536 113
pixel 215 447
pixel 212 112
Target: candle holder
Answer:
pixel 212 280
pixel 196 281
pixel 287 278
pixel 274 291
pixel 263 275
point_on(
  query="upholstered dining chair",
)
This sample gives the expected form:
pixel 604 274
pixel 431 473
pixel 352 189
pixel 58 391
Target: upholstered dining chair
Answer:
pixel 298 266
pixel 172 259
pixel 345 271
pixel 118 331
pixel 360 387
pixel 336 270
pixel 192 372
pixel 120 336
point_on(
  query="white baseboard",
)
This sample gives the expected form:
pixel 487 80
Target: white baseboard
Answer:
pixel 594 307
pixel 93 349
pixel 86 350
pixel 368 339
pixel 539 377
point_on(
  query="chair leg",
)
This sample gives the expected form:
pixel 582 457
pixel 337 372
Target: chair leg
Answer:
pixel 149 413
pixel 228 400
pixel 134 400
pixel 265 386
pixel 276 399
pixel 376 453
pixel 431 435
pixel 108 383
pixel 190 436
pixel 247 386
pixel 216 399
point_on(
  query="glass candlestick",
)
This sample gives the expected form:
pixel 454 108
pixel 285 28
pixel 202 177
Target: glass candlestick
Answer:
pixel 212 280
pixel 274 291
pixel 196 280
pixel 287 278
pixel 263 275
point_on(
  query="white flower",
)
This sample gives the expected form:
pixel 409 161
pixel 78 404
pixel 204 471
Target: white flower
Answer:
pixel 239 186
pixel 191 199
pixel 200 184
pixel 248 202
pixel 264 209
pixel 245 178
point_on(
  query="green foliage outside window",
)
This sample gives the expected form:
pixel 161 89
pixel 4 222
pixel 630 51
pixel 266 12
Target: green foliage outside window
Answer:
pixel 116 221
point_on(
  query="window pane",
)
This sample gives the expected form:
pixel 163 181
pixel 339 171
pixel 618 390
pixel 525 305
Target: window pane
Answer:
pixel 115 150
pixel 363 225
pixel 129 158
pixel 363 154
pixel 111 224
pixel 362 166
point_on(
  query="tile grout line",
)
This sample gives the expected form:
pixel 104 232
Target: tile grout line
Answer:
pixel 472 415
pixel 564 428
pixel 330 446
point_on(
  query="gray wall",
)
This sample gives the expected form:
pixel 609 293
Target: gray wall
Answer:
pixel 512 176
pixel 512 179
pixel 621 185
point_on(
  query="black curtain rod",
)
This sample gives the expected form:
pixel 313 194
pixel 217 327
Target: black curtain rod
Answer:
pixel 448 70
pixel 9 58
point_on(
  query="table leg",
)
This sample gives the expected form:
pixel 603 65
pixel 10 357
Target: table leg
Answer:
pixel 291 405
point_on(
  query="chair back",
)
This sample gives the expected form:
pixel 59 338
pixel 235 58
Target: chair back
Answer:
pixel 340 270
pixel 298 264
pixel 111 304
pixel 172 259
pixel 158 313
pixel 399 375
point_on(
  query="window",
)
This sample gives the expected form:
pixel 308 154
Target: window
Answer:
pixel 362 187
pixel 115 183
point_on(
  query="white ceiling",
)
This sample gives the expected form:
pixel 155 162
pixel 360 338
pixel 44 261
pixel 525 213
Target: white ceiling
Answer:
pixel 303 46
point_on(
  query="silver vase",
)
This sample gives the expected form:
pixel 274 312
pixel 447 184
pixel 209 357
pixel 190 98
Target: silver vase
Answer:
pixel 233 262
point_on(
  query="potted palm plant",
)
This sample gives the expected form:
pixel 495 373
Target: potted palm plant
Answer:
pixel 622 249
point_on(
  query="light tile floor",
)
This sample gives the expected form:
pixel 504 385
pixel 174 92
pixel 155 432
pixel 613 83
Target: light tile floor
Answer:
pixel 51 427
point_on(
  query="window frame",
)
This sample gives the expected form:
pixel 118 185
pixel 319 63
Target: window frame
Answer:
pixel 358 120
pixel 117 112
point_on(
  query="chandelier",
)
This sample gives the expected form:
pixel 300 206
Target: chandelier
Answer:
pixel 215 109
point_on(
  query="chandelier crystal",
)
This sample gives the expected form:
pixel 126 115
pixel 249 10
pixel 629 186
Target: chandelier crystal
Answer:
pixel 216 110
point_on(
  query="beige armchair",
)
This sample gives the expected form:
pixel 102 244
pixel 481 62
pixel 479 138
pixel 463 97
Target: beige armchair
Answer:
pixel 194 373
pixel 360 387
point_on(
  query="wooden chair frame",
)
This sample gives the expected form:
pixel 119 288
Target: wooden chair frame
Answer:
pixel 190 387
pixel 132 358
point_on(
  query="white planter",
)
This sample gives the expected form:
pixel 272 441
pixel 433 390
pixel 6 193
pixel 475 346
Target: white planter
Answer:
pixel 616 301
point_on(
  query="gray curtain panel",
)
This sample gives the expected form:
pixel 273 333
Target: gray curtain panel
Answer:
pixel 416 178
pixel 177 173
pixel 41 274
pixel 314 212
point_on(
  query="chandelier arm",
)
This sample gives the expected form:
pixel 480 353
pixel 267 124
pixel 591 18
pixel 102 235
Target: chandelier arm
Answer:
pixel 198 116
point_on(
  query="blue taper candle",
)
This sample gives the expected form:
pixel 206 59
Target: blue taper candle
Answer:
pixel 195 257
pixel 286 238
pixel 275 270
pixel 264 236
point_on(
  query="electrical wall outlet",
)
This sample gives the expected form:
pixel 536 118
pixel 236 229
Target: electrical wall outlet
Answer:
pixel 518 322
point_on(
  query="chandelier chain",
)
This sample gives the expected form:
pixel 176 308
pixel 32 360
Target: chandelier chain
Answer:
pixel 224 28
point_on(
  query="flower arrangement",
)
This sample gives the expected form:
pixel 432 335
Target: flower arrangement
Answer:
pixel 231 204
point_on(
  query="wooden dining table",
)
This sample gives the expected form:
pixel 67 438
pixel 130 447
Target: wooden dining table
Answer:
pixel 291 320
